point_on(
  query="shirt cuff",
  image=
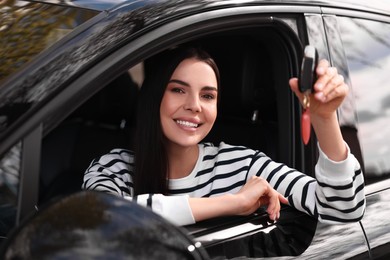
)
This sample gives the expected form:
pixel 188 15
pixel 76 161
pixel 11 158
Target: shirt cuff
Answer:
pixel 175 209
pixel 330 171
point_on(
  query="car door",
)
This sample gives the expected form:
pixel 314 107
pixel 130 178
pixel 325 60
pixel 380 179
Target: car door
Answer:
pixel 90 59
pixel 365 39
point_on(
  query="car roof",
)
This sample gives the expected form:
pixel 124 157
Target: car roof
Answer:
pixel 374 6
pixel 377 6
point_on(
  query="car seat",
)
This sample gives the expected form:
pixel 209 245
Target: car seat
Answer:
pixel 247 113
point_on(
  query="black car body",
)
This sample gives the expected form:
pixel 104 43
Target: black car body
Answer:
pixel 69 105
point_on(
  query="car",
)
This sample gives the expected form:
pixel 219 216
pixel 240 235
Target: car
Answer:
pixel 71 72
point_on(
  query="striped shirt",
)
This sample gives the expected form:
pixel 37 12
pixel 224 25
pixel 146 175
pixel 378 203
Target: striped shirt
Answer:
pixel 335 195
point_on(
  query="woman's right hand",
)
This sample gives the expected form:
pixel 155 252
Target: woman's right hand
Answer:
pixel 258 192
pixel 255 193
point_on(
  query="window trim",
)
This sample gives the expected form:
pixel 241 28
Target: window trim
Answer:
pixel 355 14
pixel 101 72
pixel 29 174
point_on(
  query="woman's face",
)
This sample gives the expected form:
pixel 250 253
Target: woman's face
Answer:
pixel 189 106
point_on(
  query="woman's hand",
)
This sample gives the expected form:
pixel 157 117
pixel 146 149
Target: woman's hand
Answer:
pixel 329 91
pixel 255 193
pixel 258 192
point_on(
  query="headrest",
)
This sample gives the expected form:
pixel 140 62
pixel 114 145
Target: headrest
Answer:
pixel 246 79
pixel 114 105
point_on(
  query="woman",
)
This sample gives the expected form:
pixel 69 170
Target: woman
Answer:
pixel 187 181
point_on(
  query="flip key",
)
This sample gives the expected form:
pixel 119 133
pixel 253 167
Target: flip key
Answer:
pixel 307 79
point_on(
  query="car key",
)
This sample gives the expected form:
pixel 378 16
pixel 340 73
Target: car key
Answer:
pixel 306 81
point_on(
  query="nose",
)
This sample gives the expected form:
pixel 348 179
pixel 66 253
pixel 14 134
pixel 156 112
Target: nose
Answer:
pixel 193 103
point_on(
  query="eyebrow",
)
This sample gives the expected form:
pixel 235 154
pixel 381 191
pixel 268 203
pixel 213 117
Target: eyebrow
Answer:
pixel 188 85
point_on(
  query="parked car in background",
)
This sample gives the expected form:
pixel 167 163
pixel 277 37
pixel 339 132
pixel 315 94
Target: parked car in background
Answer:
pixel 70 72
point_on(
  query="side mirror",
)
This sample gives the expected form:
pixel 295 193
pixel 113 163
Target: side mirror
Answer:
pixel 91 224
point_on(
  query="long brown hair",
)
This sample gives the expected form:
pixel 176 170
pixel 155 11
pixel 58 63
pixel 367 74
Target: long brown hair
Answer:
pixel 151 162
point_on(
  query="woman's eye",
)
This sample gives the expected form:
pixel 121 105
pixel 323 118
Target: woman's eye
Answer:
pixel 177 90
pixel 208 96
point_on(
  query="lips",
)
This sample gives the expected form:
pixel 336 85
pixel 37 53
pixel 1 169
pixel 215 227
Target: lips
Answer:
pixel 187 123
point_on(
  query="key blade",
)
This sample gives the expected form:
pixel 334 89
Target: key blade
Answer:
pixel 307 75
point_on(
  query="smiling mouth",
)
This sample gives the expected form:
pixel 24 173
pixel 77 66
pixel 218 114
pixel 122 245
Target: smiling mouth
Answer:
pixel 187 124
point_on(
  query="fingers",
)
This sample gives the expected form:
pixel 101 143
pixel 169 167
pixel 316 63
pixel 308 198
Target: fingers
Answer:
pixel 283 199
pixel 339 90
pixel 329 85
pixel 294 87
pixel 273 199
pixel 273 208
pixel 258 192
pixel 322 66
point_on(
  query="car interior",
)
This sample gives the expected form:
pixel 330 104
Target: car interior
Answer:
pixel 254 76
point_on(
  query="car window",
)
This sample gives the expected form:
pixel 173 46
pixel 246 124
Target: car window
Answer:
pixel 28 28
pixel 254 108
pixel 9 186
pixel 367 47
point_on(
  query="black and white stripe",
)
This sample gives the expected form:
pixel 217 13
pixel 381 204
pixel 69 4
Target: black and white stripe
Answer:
pixel 226 168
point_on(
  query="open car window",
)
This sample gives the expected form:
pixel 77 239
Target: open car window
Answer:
pixel 255 63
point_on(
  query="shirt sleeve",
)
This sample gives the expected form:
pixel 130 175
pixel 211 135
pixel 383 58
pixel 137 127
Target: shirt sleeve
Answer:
pixel 340 189
pixel 335 195
pixel 112 173
pixel 175 209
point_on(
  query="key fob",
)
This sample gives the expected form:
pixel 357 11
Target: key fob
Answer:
pixel 307 75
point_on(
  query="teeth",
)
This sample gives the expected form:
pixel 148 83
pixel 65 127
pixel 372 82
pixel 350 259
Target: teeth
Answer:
pixel 186 123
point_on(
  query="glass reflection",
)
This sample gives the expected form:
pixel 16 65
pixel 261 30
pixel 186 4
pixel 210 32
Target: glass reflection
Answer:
pixel 9 185
pixel 26 29
pixel 256 236
pixel 291 236
pixel 367 46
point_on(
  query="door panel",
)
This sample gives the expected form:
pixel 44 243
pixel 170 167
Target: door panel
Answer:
pixel 376 222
